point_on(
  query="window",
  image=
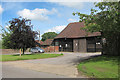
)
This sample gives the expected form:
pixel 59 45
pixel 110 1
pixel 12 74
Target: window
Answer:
pixel 66 45
pixel 56 43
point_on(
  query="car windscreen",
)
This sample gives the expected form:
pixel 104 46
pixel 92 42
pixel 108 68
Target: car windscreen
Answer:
pixel 39 48
pixel 33 48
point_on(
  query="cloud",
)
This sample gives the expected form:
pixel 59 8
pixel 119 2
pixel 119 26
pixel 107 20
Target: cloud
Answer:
pixel 57 0
pixel 7 26
pixel 1 9
pixel 37 14
pixel 69 3
pixel 73 0
pixel 77 5
pixel 56 29
pixel 72 20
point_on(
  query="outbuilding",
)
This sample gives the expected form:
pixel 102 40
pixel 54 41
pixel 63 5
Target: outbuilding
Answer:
pixel 48 46
pixel 75 39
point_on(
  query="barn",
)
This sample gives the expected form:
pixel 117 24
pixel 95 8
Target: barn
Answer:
pixel 75 39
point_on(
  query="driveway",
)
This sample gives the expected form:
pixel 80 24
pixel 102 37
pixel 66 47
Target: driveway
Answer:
pixel 64 65
pixel 17 72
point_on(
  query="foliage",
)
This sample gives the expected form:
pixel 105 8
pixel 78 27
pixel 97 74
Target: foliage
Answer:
pixel 28 56
pixel 20 34
pixel 62 54
pixel 48 35
pixel 100 67
pixel 106 21
pixel 0 44
pixel 6 43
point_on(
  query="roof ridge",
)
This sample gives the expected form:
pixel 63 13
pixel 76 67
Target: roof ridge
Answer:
pixel 74 22
pixel 49 39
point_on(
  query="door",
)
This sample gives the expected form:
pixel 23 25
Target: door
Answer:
pixel 76 45
pixel 80 45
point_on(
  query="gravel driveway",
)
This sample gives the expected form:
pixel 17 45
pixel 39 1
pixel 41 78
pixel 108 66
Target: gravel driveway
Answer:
pixel 64 65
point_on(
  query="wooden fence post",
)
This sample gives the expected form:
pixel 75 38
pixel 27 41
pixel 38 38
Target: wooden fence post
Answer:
pixel 20 51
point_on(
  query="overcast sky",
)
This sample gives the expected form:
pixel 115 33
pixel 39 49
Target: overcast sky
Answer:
pixel 45 16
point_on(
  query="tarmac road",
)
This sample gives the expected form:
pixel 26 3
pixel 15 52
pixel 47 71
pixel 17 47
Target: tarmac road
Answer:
pixel 58 67
pixel 14 72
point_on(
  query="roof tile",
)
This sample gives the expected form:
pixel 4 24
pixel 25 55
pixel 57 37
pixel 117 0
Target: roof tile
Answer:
pixel 48 42
pixel 73 30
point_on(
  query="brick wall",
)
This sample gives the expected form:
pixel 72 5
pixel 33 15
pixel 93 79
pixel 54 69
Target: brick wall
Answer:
pixel 10 51
pixel 51 49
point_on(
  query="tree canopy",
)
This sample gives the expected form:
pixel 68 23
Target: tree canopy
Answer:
pixel 21 35
pixel 105 19
pixel 48 35
pixel 6 43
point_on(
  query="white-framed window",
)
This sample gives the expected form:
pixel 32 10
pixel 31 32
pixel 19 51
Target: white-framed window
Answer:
pixel 66 45
pixel 98 43
pixel 60 46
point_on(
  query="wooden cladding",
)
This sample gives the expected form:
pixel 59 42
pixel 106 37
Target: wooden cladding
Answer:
pixel 89 44
pixel 94 44
pixel 65 45
pixel 79 45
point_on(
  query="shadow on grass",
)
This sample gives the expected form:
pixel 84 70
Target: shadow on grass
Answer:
pixel 96 58
pixel 26 54
pixel 113 59
pixel 102 66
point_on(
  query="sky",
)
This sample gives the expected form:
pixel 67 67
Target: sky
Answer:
pixel 45 16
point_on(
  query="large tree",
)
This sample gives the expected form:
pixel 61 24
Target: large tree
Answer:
pixel 105 20
pixel 22 36
pixel 48 35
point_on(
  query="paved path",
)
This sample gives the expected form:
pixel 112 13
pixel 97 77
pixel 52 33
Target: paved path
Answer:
pixel 64 65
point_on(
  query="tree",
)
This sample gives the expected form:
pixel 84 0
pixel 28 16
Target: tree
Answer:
pixel 22 36
pixel 6 43
pixel 48 35
pixel 104 20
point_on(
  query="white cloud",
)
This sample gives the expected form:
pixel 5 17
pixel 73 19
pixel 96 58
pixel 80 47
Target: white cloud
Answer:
pixel 69 3
pixel 77 5
pixel 56 29
pixel 72 20
pixel 56 1
pixel 37 14
pixel 73 0
pixel 1 9
pixel 7 26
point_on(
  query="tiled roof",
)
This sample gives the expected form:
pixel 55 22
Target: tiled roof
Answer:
pixel 73 30
pixel 41 42
pixel 48 42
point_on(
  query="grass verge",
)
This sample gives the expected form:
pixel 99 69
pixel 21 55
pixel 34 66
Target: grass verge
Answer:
pixel 100 67
pixel 27 57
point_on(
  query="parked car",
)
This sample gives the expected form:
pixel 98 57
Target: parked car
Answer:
pixel 37 49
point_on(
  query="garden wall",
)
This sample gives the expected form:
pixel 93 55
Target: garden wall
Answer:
pixel 10 51
pixel 51 49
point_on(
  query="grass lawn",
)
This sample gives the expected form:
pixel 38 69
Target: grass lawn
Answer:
pixel 28 56
pixel 100 67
